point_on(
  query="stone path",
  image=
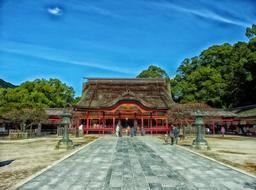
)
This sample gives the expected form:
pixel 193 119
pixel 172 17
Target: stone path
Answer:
pixel 139 163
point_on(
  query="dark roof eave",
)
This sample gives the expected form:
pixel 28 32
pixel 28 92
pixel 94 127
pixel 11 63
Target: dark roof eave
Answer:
pixel 109 108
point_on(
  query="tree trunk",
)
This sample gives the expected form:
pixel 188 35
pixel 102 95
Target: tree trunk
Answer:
pixel 39 128
pixel 22 127
pixel 30 131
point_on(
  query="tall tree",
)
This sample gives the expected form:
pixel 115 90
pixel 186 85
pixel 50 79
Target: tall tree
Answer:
pixel 221 76
pixel 153 72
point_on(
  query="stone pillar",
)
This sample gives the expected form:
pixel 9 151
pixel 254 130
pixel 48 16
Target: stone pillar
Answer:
pixel 199 142
pixel 65 142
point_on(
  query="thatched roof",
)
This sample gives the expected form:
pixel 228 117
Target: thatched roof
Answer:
pixel 106 92
pixel 246 111
pixel 55 111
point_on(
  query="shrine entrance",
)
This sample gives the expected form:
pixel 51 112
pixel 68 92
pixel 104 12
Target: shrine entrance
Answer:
pixel 125 123
pixel 129 114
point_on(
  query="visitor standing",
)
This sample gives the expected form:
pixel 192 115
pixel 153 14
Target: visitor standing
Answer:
pixel 142 131
pixel 176 133
pixel 135 127
pixel 118 129
pixel 222 131
pixel 132 131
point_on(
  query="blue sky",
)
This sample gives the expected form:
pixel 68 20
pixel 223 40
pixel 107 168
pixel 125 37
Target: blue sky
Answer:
pixel 73 39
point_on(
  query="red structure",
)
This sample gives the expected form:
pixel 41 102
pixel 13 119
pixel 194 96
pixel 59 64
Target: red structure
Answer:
pixel 134 102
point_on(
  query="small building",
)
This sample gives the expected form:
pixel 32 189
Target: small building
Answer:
pixel 247 118
pixel 142 103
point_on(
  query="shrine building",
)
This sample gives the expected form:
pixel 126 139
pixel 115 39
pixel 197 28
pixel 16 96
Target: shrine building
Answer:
pixel 143 103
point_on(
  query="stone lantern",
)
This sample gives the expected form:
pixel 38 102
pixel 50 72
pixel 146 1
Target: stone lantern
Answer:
pixel 199 142
pixel 65 142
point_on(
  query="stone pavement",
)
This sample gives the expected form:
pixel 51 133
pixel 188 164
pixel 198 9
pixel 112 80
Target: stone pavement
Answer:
pixel 138 163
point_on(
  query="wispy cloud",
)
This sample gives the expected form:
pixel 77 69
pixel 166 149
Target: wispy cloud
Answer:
pixel 60 56
pixel 86 7
pixel 204 13
pixel 55 10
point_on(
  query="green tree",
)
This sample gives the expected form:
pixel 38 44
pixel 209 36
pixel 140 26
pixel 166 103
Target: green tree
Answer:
pixel 39 93
pixel 201 79
pixel 26 117
pixel 153 72
pixel 251 31
pixel 221 76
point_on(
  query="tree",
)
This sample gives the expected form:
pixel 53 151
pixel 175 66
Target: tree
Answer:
pixel 39 93
pixel 221 76
pixel 251 31
pixel 26 117
pixel 4 84
pixel 153 72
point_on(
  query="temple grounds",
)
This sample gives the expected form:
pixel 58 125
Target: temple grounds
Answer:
pixel 139 163
pixel 236 151
pixel 28 156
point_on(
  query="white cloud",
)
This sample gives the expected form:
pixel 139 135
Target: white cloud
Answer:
pixel 202 13
pixel 55 10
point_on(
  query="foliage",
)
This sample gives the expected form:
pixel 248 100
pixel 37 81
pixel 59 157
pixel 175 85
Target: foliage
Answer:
pixel 221 76
pixel 4 84
pixel 76 100
pixel 36 94
pixel 153 72
pixel 182 113
pixel 26 117
pixel 251 31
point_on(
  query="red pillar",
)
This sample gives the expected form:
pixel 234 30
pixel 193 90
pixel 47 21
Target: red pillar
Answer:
pixel 156 120
pixel 151 124
pixel 113 125
pixel 166 125
pixel 104 122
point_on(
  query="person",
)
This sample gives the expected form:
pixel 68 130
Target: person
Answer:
pixel 81 130
pixel 207 130
pixel 135 127
pixel 171 136
pixel 142 131
pixel 166 139
pixel 176 133
pixel 132 131
pixel 118 129
pixel 222 131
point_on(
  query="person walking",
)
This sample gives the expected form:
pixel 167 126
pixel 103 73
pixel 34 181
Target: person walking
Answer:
pixel 176 133
pixel 222 131
pixel 171 136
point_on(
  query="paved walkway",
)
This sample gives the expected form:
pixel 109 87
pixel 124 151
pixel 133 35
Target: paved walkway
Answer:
pixel 139 163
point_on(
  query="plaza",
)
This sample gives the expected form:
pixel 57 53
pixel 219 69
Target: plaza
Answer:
pixel 138 163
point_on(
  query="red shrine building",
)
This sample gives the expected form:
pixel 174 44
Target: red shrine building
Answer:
pixel 143 103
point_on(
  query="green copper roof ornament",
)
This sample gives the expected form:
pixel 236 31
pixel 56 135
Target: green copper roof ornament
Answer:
pixel 65 142
pixel 199 142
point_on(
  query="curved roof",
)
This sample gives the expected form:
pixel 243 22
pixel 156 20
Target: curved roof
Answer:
pixel 106 92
